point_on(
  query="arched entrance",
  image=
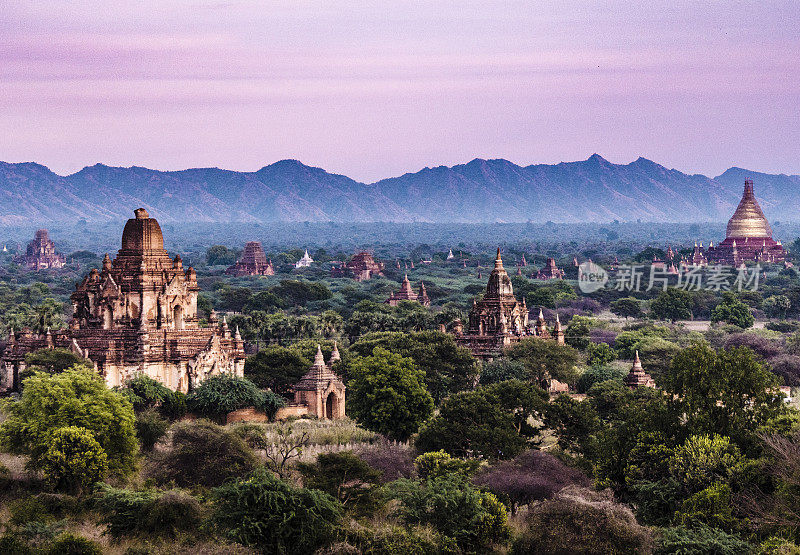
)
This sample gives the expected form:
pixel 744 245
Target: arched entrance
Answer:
pixel 331 406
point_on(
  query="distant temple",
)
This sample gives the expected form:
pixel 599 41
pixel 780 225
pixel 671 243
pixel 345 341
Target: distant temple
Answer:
pixel 320 392
pixel 748 236
pixel 637 377
pixel 253 262
pixel 304 262
pixel 360 268
pixel 41 253
pixel 137 316
pixel 550 271
pixel 498 319
pixel 406 293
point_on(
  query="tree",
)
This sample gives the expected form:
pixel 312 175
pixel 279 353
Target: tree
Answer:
pixel 270 515
pixel 502 369
pixel 439 463
pixel 732 311
pixel 343 476
pixel 387 394
pixel 545 360
pixel 728 392
pixel 216 396
pixel 201 454
pixel 74 460
pixel 220 255
pixel 489 422
pixel 144 392
pixel 672 304
pixel 703 460
pixel 448 368
pixel 597 374
pixel 75 397
pixel 277 368
pixel 627 307
pixel 598 354
pixel 234 299
pixel 54 361
pixel 577 333
pixel 454 508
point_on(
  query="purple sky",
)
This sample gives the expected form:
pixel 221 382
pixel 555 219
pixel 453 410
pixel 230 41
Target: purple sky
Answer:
pixel 375 89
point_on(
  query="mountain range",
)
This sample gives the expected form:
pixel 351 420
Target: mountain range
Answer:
pixel 592 190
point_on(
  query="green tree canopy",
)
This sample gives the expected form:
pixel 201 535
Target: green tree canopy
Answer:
pixel 218 395
pixel 545 360
pixel 672 304
pixel 627 307
pixel 732 311
pixel 75 397
pixel 277 368
pixel 448 368
pixel 386 394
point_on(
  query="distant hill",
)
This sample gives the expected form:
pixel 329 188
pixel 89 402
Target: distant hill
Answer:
pixel 593 190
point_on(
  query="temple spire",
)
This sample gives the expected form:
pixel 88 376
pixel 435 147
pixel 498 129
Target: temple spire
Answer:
pixel 319 360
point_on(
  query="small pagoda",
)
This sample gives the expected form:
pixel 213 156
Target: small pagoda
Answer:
pixel 360 268
pixel 406 293
pixel 550 271
pixel 41 253
pixel 253 262
pixel 637 377
pixel 320 390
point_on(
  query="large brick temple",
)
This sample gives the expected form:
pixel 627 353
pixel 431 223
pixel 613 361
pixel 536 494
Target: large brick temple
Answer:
pixel 253 262
pixel 41 253
pixel 498 319
pixel 360 268
pixel 138 315
pixel 748 236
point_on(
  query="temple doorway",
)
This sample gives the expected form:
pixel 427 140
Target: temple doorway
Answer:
pixel 177 317
pixel 331 406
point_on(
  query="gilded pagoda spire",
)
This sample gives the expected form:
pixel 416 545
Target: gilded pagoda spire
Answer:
pixel 748 220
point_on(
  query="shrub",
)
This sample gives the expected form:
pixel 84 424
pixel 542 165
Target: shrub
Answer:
pixel 598 354
pixel 396 540
pixel 532 476
pixel 128 513
pixel 70 544
pixel 597 374
pixel 474 519
pixel 343 476
pixel 578 520
pixel 72 398
pixel 782 326
pixel 219 395
pixel 150 428
pixel 700 540
pixel 502 369
pixel 439 463
pixel 272 516
pixel 144 392
pixel 393 461
pixel 74 460
pixel 202 454
pixel 173 405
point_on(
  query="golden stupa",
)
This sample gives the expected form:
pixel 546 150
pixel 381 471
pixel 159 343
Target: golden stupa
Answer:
pixel 748 220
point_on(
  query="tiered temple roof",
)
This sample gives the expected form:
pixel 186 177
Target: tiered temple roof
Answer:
pixel 550 271
pixel 41 253
pixel 138 315
pixel 320 389
pixel 637 377
pixel 360 268
pixel 253 262
pixel 406 293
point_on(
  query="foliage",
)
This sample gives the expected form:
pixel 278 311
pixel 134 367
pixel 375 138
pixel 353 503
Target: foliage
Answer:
pixel 532 476
pixel 54 361
pixel 700 540
pixel 127 513
pixel 625 343
pixel 285 448
pixel 439 463
pixel 216 396
pixel 387 394
pixel 627 307
pixel 201 454
pixel 75 397
pixel 448 368
pixel 277 368
pixel 672 304
pixel 144 392
pixel 703 460
pixel 577 333
pixel 578 520
pixel 70 544
pixel 454 508
pixel 732 311
pixel 392 461
pixel 491 421
pixel 502 369
pixel 343 476
pixel 597 374
pixel 574 423
pixel 728 392
pixel 710 507
pixel 74 459
pixel 777 305
pixel 545 360
pixel 598 354
pixel 220 255
pixel 173 405
pixel 150 428
pixel 270 515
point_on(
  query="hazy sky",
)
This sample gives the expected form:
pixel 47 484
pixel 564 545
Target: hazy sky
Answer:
pixel 375 89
